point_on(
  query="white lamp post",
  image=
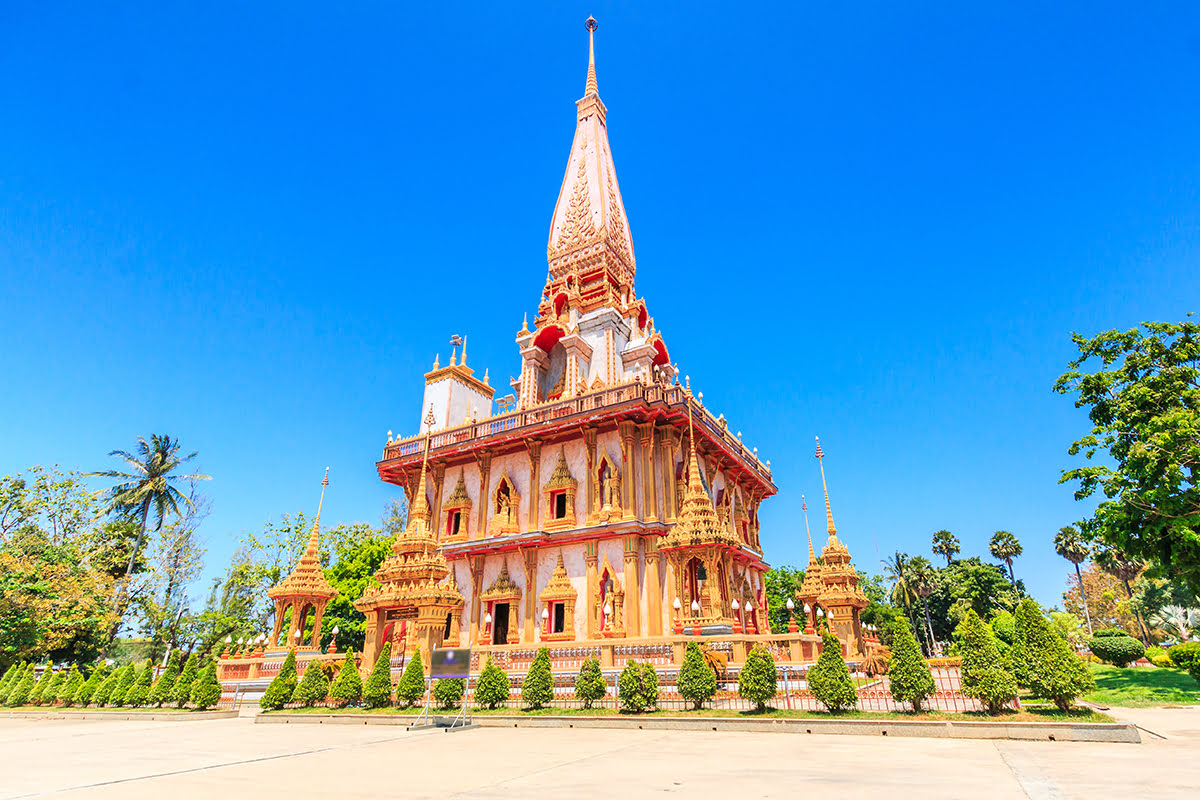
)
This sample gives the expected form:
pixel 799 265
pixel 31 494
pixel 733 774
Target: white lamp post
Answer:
pixel 737 621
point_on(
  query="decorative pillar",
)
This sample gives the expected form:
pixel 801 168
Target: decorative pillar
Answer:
pixel 667 439
pixel 590 590
pixel 475 565
pixel 435 520
pixel 649 501
pixel 633 593
pixel 529 560
pixel 535 459
pixel 654 587
pixel 627 430
pixel 279 607
pixel 484 458
pixel 315 640
pixel 589 440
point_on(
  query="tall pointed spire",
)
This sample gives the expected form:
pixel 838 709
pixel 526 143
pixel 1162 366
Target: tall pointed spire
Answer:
pixel 812 554
pixel 313 540
pixel 829 526
pixel 420 507
pixel 590 87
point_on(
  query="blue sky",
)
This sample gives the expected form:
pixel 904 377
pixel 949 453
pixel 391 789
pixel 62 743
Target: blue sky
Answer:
pixel 253 226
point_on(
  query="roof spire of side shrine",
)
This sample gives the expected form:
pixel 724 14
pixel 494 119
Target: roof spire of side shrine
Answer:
pixel 307 579
pixel 698 523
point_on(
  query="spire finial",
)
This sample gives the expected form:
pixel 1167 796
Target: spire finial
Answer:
pixel 463 360
pixel 812 554
pixel 591 87
pixel 312 537
pixel 828 510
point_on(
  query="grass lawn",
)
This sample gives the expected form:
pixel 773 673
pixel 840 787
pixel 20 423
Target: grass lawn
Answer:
pixel 1142 687
pixel 1026 714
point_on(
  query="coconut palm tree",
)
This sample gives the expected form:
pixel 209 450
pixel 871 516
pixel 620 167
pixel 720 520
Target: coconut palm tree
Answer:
pixel 895 569
pixel 1069 544
pixel 945 544
pixel 1124 568
pixel 1005 547
pixel 148 488
pixel 920 574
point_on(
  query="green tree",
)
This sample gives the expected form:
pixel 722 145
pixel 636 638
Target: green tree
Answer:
pixel 923 577
pixel 348 686
pixel 87 691
pixel 983 675
pixel 70 686
pixel 448 692
pixel 637 687
pixel 139 692
pixel 1120 650
pixel 945 544
pixel 1044 662
pixel 1069 544
pixel 5 682
pixel 314 688
pixel 105 689
pixel 1186 656
pixel 1005 547
pixel 181 693
pixel 39 688
pixel 780 585
pixel 589 683
pixel 1124 568
pixel 377 692
pixel 19 696
pixel 279 692
pixel 50 693
pixel 206 689
pixel 161 691
pixel 537 690
pixel 829 679
pixel 14 675
pixel 1143 400
pixel 758 680
pixel 493 687
pixel 411 686
pixel 909 677
pixel 697 681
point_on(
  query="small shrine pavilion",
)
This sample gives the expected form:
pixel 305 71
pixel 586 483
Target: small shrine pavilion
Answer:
pixel 303 591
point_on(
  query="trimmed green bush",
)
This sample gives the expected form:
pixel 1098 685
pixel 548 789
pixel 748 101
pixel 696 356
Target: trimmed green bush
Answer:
pixel 377 692
pixel 18 672
pixel 35 695
pixel 69 686
pixel 348 686
pixel 50 693
pixel 1004 627
pixel 1044 662
pixel 637 688
pixel 758 681
pixel 279 692
pixel 411 686
pixel 983 675
pixel 206 690
pixel 909 678
pixel 314 688
pixel 448 692
pixel 123 684
pixel 105 688
pixel 1111 632
pixel 6 683
pixel 139 692
pixel 1186 656
pixel 537 690
pixel 829 679
pixel 19 696
pixel 160 692
pixel 1118 650
pixel 589 683
pixel 87 690
pixel 181 693
pixel 697 681
pixel 493 687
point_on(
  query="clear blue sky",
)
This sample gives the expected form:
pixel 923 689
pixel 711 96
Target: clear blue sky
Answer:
pixel 252 227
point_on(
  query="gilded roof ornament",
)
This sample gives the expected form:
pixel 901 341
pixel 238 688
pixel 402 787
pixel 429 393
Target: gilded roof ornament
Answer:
pixel 307 579
pixel 561 478
pixel 559 586
pixel 698 522
pixel 501 588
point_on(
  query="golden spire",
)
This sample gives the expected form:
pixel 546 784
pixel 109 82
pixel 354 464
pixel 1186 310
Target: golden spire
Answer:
pixel 463 360
pixel 591 87
pixel 420 504
pixel 829 526
pixel 812 554
pixel 307 578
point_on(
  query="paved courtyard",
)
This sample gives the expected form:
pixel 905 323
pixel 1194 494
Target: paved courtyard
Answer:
pixel 237 759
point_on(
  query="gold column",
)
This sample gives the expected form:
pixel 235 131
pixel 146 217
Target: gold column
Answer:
pixel 667 439
pixel 435 522
pixel 649 501
pixel 627 431
pixel 529 558
pixel 590 590
pixel 653 587
pixel 633 588
pixel 535 486
pixel 475 565
pixel 589 439
pixel 484 458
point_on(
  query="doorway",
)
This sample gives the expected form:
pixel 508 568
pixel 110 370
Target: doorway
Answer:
pixel 500 624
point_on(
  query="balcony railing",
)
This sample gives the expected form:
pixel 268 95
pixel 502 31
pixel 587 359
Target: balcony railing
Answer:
pixel 558 409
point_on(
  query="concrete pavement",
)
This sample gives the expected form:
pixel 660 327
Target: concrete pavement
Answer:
pixel 237 759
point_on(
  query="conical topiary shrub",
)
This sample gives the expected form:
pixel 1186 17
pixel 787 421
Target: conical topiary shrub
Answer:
pixel 537 690
pixel 7 681
pixel 348 686
pixel 124 684
pixel 35 695
pixel 829 679
pixel 983 675
pixel 411 686
pixel 1044 662
pixel 104 689
pixel 493 687
pixel 181 692
pixel 279 692
pixel 314 687
pixel 139 692
pixel 589 683
pixel 17 673
pixel 377 692
pixel 206 690
pixel 637 687
pixel 909 678
pixel 69 686
pixel 758 681
pixel 87 689
pixel 19 696
pixel 160 692
pixel 448 692
pixel 697 681
pixel 50 693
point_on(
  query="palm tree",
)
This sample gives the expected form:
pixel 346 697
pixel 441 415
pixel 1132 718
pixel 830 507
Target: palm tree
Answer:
pixel 920 573
pixel 1069 544
pixel 149 487
pixel 1124 568
pixel 945 544
pixel 896 570
pixel 1181 621
pixel 1005 547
